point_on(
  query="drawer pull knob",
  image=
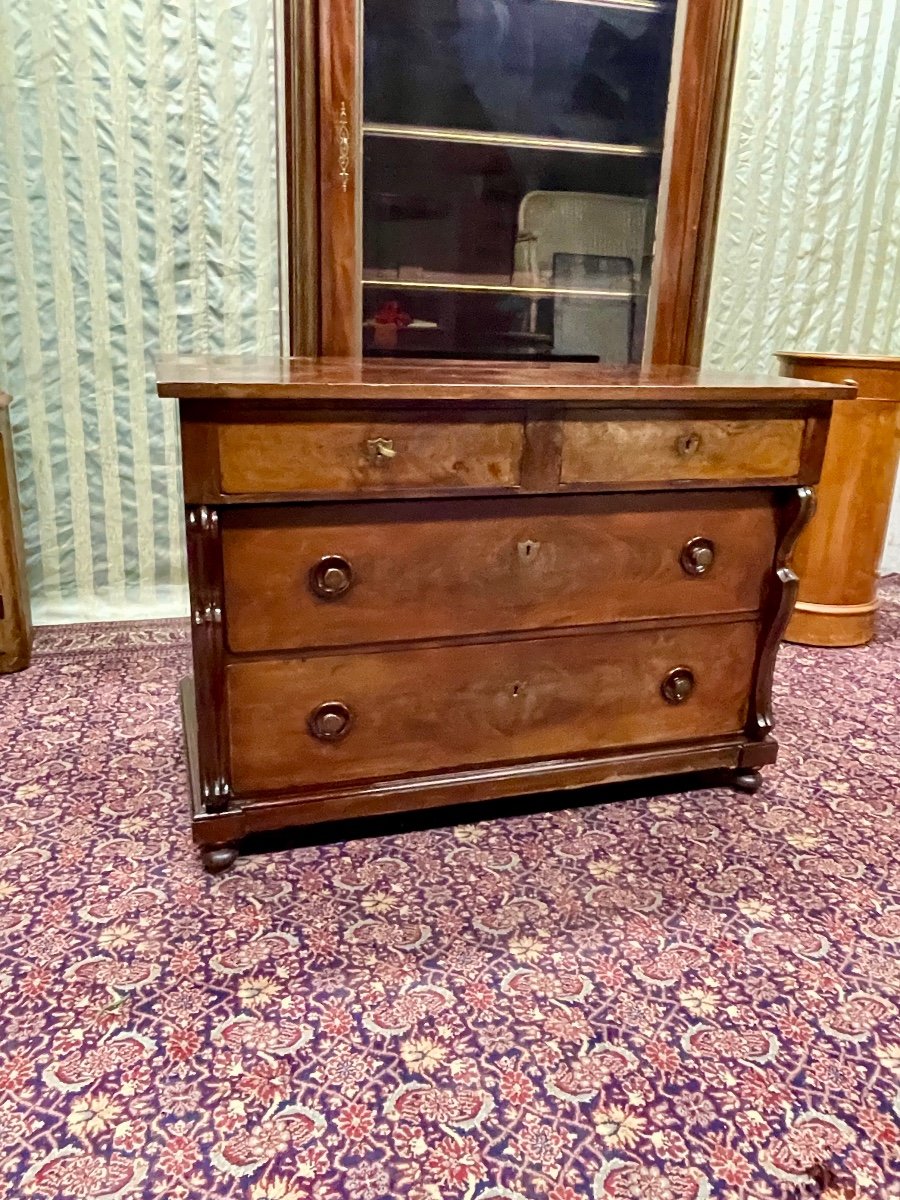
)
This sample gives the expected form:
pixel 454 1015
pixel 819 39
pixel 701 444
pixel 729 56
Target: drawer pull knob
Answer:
pixel 331 577
pixel 381 449
pixel 677 685
pixel 330 721
pixel 697 556
pixel 687 444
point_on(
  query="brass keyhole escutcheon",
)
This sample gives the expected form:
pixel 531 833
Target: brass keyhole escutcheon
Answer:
pixel 330 577
pixel 678 685
pixel 381 450
pixel 687 444
pixel 528 550
pixel 330 721
pixel 697 556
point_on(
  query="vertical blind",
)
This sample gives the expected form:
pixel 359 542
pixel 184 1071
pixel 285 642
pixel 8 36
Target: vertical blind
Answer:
pixel 138 213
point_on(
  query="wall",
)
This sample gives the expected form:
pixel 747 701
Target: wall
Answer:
pixel 808 247
pixel 137 214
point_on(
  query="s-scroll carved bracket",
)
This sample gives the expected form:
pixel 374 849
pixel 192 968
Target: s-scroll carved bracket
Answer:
pixel 798 509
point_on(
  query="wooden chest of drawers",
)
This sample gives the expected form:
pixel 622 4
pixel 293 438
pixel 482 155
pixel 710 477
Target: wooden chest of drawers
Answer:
pixel 417 583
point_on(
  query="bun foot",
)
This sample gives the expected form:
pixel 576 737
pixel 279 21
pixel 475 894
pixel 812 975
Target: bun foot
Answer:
pixel 217 859
pixel 749 781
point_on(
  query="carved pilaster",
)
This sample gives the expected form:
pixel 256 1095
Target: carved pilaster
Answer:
pixel 797 510
pixel 205 559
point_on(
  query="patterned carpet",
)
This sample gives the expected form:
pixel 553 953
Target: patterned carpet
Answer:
pixel 663 999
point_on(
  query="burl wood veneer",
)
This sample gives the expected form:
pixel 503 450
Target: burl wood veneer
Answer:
pixel 419 583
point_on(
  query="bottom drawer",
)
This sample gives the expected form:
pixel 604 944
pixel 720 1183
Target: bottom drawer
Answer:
pixel 327 719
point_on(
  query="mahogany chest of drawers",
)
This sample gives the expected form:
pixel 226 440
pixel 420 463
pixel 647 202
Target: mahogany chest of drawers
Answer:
pixel 419 583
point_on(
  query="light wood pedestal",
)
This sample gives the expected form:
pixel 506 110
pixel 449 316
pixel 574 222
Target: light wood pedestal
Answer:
pixel 838 555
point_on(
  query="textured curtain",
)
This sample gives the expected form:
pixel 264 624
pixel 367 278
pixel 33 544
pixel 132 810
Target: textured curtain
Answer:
pixel 808 248
pixel 138 214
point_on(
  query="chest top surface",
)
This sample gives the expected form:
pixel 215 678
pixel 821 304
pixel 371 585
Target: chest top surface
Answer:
pixel 470 384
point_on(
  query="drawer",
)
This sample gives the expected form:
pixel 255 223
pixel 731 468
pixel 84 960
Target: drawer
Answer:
pixel 332 575
pixel 640 451
pixel 375 453
pixel 331 718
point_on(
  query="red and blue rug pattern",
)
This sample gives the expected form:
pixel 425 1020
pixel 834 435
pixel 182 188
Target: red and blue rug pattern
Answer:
pixel 671 998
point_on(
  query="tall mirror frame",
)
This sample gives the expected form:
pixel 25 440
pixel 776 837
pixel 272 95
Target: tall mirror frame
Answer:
pixel 322 160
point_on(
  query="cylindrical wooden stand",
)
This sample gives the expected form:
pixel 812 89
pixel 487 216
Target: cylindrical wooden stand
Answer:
pixel 838 555
pixel 15 613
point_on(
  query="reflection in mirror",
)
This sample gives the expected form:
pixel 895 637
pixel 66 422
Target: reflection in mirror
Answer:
pixel 511 171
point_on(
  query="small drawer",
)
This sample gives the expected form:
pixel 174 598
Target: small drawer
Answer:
pixel 303 576
pixel 375 453
pixel 304 722
pixel 660 451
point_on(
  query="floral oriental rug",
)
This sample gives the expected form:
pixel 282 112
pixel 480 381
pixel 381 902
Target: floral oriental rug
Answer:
pixel 670 998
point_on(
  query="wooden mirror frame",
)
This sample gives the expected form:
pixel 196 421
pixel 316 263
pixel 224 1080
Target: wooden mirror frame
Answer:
pixel 321 130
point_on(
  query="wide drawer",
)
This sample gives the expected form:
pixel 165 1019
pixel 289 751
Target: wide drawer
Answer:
pixel 374 453
pixel 649 451
pixel 329 718
pixel 333 575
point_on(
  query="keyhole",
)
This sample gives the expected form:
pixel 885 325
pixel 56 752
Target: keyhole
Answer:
pixel 688 444
pixel 517 688
pixel 528 549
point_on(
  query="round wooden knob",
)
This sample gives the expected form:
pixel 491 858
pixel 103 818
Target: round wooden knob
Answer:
pixel 331 577
pixel 687 444
pixel 697 556
pixel 330 721
pixel 677 685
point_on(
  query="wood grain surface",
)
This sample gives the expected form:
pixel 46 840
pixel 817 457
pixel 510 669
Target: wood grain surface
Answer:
pixel 339 145
pixel 453 568
pixel 839 554
pixel 449 383
pixel 615 451
pixel 416 710
pixel 343 456
pixel 683 264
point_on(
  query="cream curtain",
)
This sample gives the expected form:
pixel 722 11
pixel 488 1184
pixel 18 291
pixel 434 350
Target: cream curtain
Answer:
pixel 808 248
pixel 137 214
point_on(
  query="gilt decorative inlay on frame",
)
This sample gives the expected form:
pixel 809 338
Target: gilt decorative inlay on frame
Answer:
pixel 343 132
